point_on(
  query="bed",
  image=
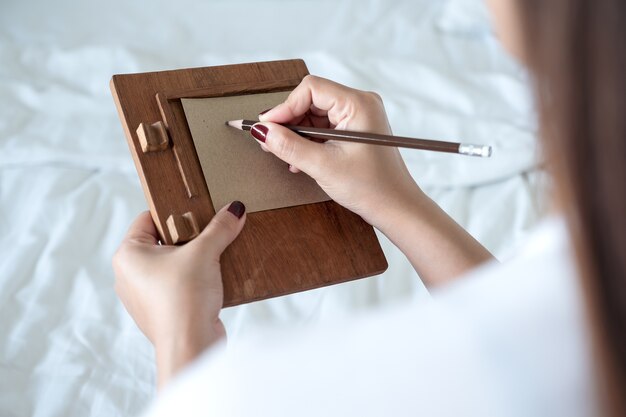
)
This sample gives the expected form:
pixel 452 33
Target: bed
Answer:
pixel 68 187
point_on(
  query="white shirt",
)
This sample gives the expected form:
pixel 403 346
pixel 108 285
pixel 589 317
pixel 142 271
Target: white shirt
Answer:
pixel 507 340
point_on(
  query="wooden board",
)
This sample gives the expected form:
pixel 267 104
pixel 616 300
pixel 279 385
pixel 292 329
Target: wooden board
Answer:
pixel 279 251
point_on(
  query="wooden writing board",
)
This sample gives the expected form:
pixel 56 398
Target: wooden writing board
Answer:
pixel 279 251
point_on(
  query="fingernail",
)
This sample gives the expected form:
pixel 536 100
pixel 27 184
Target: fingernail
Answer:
pixel 237 209
pixel 265 111
pixel 259 132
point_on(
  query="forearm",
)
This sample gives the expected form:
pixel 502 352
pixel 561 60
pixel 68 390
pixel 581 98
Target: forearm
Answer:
pixel 437 247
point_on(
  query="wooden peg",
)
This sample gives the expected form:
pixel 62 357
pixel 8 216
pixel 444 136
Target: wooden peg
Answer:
pixel 182 228
pixel 152 137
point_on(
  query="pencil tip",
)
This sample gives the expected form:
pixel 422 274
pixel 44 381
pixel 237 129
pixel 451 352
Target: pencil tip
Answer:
pixel 237 124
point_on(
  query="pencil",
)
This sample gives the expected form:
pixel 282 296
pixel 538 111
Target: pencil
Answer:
pixel 377 139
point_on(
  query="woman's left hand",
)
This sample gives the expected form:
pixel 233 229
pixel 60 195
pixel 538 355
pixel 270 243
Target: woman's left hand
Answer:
pixel 175 293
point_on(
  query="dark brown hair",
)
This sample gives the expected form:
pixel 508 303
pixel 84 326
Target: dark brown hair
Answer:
pixel 576 51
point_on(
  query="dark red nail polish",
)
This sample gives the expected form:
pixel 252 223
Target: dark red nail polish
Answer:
pixel 237 209
pixel 265 111
pixel 259 132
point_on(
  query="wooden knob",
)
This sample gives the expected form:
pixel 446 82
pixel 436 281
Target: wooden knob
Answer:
pixel 183 227
pixel 152 137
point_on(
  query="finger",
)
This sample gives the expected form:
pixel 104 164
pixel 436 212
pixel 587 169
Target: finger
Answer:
pixel 297 120
pixel 318 112
pixel 290 147
pixel 293 169
pixel 320 121
pixel 310 120
pixel 306 122
pixel 143 230
pixel 313 92
pixel 223 228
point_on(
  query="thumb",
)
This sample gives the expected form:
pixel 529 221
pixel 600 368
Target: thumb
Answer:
pixel 304 154
pixel 223 228
pixel 143 230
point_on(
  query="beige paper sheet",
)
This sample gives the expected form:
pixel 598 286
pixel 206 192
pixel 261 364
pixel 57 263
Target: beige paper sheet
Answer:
pixel 234 165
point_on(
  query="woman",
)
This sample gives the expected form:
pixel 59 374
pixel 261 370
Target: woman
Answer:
pixel 543 334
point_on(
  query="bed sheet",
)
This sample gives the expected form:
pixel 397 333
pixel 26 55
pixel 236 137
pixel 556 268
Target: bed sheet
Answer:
pixel 68 188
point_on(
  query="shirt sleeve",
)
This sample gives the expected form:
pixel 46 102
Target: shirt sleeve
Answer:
pixel 508 340
pixel 388 363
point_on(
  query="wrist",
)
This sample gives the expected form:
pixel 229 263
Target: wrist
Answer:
pixel 389 212
pixel 175 353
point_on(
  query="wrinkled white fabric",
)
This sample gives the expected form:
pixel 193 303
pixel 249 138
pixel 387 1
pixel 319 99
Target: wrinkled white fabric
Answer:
pixel 69 190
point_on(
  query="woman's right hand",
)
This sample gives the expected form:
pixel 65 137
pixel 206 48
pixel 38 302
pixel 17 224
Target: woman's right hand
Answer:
pixel 363 178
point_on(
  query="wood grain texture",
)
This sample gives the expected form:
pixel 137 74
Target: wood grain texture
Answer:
pixel 279 251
